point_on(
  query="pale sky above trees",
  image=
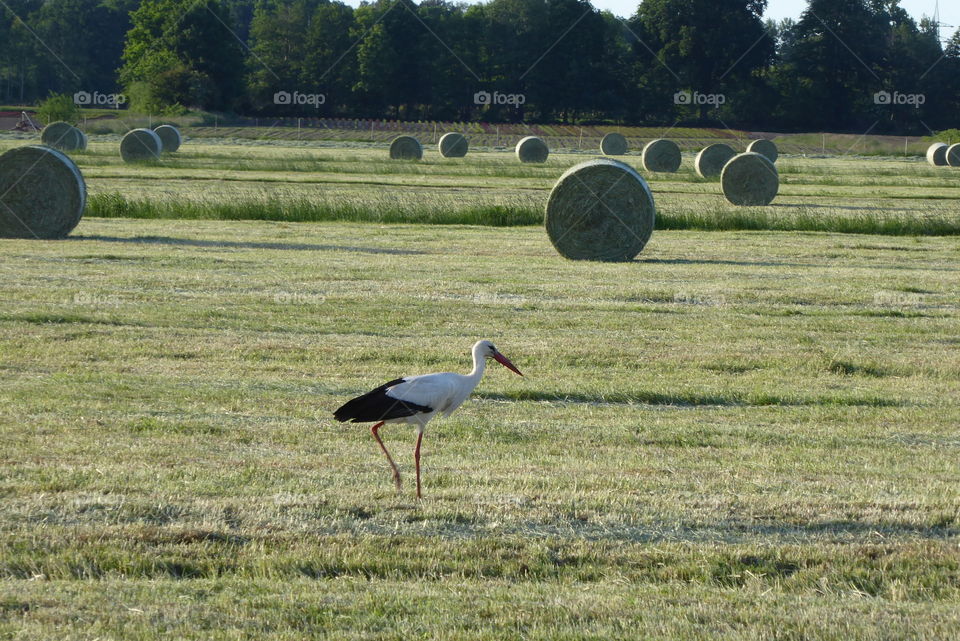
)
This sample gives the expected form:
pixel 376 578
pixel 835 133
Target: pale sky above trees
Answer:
pixel 779 9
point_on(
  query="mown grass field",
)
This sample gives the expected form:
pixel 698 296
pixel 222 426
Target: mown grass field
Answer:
pixel 333 181
pixel 742 434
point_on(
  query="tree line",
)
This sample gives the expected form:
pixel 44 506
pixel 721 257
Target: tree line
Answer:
pixel 845 65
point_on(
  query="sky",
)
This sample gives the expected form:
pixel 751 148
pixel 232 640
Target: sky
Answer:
pixel 779 9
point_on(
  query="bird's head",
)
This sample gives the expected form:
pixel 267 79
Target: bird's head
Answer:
pixel 486 349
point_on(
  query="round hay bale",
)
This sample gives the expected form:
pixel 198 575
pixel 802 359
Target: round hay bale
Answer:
pixel 140 145
pixel 62 135
pixel 84 141
pixel 937 154
pixel 953 155
pixel 453 145
pixel 765 148
pixel 711 159
pixel 170 138
pixel 532 149
pixel 601 209
pixel 661 155
pixel 614 144
pixel 406 148
pixel 750 179
pixel 42 193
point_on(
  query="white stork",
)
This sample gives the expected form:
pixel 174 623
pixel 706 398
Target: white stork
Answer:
pixel 416 399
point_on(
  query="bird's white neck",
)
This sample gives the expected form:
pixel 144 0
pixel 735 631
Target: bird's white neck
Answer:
pixel 479 364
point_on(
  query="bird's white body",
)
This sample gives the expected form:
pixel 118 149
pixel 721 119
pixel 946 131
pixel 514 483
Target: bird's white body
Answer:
pixel 417 399
pixel 444 392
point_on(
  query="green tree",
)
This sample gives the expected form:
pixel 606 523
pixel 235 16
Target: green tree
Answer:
pixel 564 78
pixel 390 64
pixel 58 107
pixel 64 46
pixel 279 37
pixel 835 66
pixel 703 46
pixel 184 52
pixel 513 39
pixel 331 59
pixel 448 55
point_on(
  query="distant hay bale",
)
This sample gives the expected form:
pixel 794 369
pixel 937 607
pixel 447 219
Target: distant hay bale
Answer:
pixel 42 193
pixel 84 141
pixel 614 144
pixel 140 145
pixel 63 136
pixel 711 159
pixel 532 149
pixel 661 155
pixel 170 138
pixel 406 148
pixel 937 154
pixel 453 145
pixel 600 210
pixel 953 155
pixel 765 148
pixel 750 179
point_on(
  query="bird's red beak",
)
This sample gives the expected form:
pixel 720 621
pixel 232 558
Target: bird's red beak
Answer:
pixel 503 360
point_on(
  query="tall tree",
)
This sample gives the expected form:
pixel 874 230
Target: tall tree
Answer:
pixel 279 44
pixel 702 46
pixel 331 60
pixel 391 66
pixel 836 64
pixel 183 51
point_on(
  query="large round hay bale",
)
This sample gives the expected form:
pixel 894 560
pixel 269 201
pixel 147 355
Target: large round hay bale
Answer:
pixel 661 155
pixel 453 145
pixel 140 145
pixel 750 179
pixel 170 138
pixel 62 135
pixel 937 154
pixel 406 148
pixel 601 209
pixel 765 148
pixel 953 155
pixel 711 159
pixel 84 141
pixel 532 149
pixel 614 144
pixel 42 193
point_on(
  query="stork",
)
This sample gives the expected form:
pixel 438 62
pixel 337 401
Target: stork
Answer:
pixel 416 399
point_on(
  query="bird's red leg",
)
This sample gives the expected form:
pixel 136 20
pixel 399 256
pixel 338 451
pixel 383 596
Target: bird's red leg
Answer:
pixel 416 459
pixel 396 472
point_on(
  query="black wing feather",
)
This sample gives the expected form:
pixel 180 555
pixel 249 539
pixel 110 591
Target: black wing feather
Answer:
pixel 375 405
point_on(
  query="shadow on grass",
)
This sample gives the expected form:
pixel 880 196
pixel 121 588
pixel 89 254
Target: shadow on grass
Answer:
pixel 693 399
pixel 738 263
pixel 742 531
pixel 230 244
